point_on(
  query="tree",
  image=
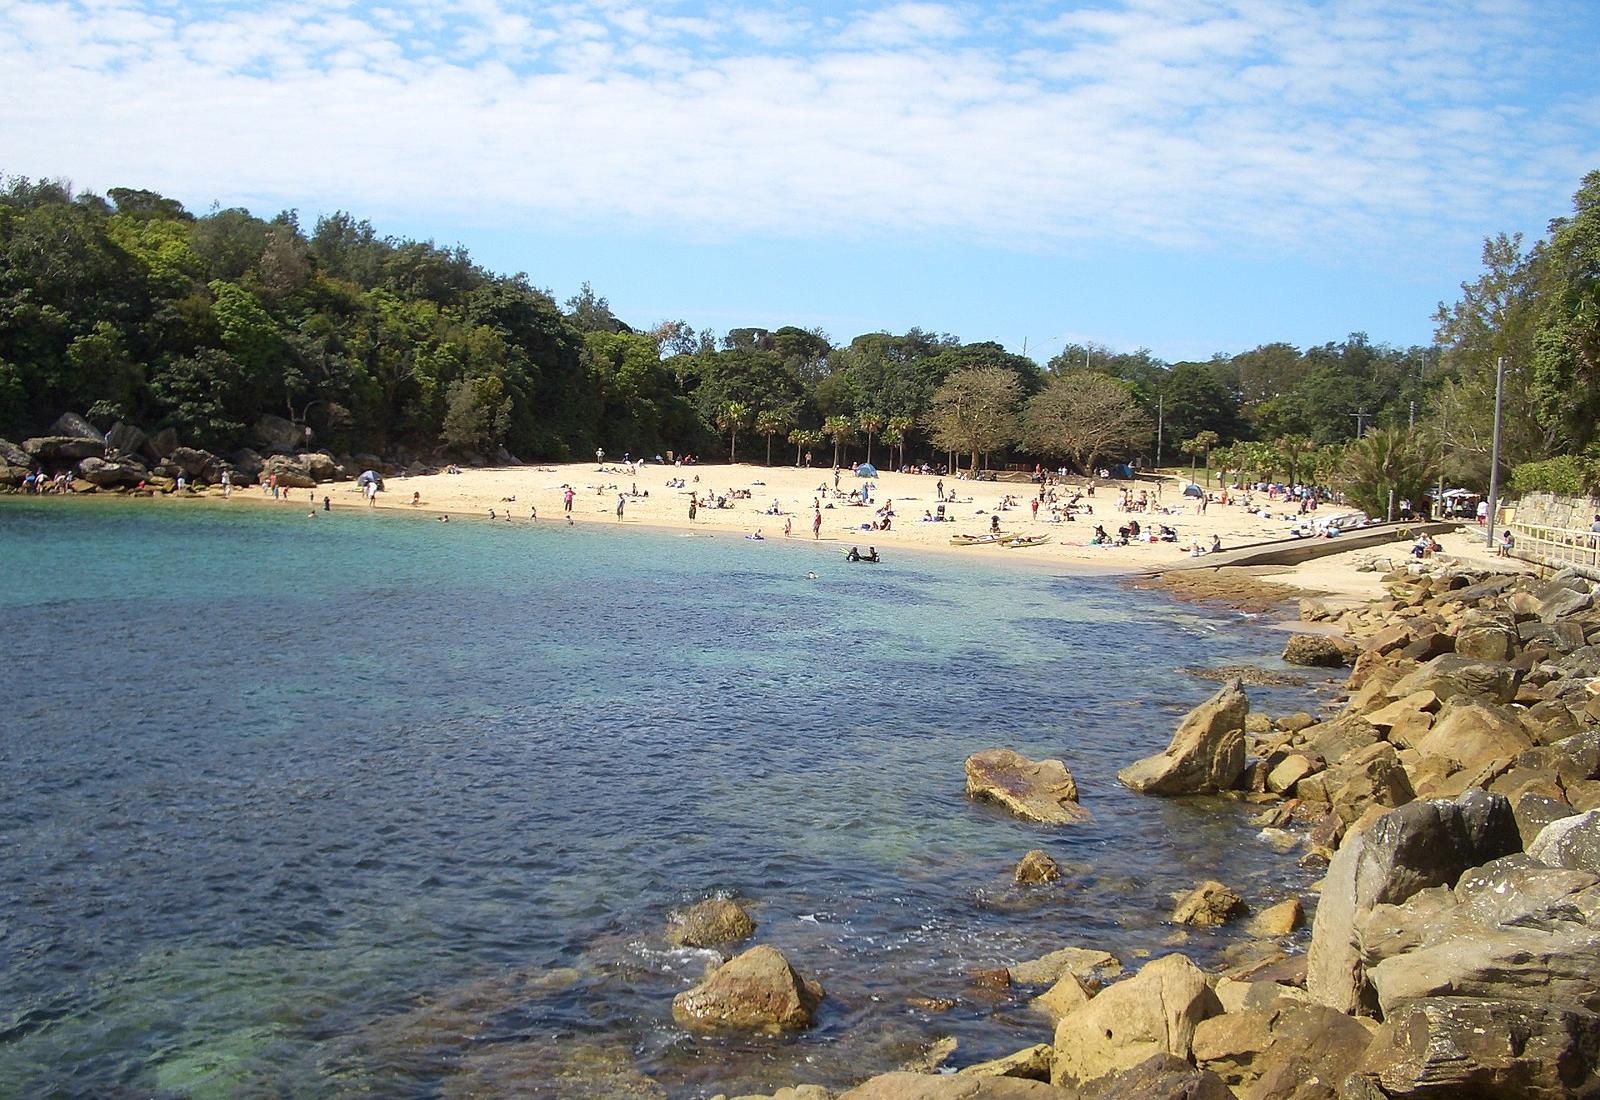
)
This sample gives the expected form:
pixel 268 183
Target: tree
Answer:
pixel 730 418
pixel 975 410
pixel 1200 446
pixel 870 423
pixel 1385 461
pixel 841 431
pixel 802 438
pixel 1295 450
pixel 901 427
pixel 1566 359
pixel 1082 415
pixel 477 413
pixel 769 424
pixel 1197 400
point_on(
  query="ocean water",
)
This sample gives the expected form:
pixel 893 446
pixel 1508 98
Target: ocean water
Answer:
pixel 377 806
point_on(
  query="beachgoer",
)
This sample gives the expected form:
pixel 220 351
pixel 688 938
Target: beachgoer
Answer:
pixel 872 553
pixel 1483 512
pixel 816 524
pixel 994 525
pixel 535 512
pixel 1506 541
pixel 853 555
pixel 1216 544
pixel 566 499
pixel 621 500
pixel 416 498
pixel 327 505
pixel 599 455
pixel 788 526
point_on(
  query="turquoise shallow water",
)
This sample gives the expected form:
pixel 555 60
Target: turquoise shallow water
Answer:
pixel 377 806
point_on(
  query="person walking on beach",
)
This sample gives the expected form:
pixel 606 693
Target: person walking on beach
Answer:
pixel 621 500
pixel 566 500
pixel 788 526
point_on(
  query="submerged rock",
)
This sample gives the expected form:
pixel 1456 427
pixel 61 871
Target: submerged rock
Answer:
pixel 1036 867
pixel 1208 905
pixel 710 922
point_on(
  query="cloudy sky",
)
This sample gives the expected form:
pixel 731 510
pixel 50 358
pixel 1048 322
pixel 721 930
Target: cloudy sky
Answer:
pixel 1190 176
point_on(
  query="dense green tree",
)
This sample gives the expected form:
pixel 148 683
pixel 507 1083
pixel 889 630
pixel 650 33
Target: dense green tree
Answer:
pixel 1566 360
pixel 1388 461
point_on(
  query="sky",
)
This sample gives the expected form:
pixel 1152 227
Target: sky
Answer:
pixel 1187 176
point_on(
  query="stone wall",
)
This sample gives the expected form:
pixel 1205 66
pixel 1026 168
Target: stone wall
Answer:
pixel 1550 510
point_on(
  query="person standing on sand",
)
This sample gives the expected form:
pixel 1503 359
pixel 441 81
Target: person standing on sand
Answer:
pixel 566 500
pixel 327 505
pixel 621 500
pixel 788 526
pixel 816 524
pixel 694 505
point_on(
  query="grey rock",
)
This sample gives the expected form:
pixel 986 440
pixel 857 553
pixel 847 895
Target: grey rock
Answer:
pixel 63 448
pixel 1419 845
pixel 1571 842
pixel 1467 1048
pixel 71 424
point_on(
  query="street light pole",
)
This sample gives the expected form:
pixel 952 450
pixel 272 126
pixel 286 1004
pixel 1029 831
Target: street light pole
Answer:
pixel 1494 457
pixel 1161 400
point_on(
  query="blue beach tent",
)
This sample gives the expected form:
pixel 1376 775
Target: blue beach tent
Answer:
pixel 866 469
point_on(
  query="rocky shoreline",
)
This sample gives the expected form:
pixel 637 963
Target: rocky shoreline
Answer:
pixel 1453 793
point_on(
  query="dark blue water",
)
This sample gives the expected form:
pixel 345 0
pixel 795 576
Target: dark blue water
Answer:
pixel 373 806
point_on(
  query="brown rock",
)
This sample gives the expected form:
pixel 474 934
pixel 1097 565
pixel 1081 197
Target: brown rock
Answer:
pixel 1208 905
pixel 1371 776
pixel 1036 867
pixel 1206 755
pixel 1061 999
pixel 1278 920
pixel 1471 734
pixel 1159 1077
pixel 1154 1012
pixel 1312 1050
pixel 1093 967
pixel 710 922
pixel 1290 770
pixel 1030 1064
pixel 1458 1046
pixel 1042 791
pixel 923 1086
pixel 756 990
pixel 1315 650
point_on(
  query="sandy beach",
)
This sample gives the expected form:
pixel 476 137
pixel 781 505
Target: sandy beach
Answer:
pixel 762 499
pixel 766 500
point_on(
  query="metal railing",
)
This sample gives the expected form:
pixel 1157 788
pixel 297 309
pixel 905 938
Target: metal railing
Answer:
pixel 1557 546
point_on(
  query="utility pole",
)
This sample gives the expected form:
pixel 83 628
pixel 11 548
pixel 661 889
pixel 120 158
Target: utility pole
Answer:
pixel 1494 458
pixel 1361 423
pixel 1161 401
pixel 1411 416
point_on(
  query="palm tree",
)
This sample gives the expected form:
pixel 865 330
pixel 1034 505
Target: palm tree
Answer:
pixel 802 438
pixel 1388 462
pixel 870 423
pixel 733 416
pixel 1200 445
pixel 901 426
pixel 892 438
pixel 770 424
pixel 1294 450
pixel 840 430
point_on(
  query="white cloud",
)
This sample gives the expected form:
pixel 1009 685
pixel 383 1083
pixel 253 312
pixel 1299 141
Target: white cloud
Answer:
pixel 1266 125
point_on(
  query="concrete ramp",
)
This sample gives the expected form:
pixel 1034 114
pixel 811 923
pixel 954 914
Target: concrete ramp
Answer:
pixel 1295 551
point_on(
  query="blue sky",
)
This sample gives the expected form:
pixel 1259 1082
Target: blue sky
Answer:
pixel 1190 176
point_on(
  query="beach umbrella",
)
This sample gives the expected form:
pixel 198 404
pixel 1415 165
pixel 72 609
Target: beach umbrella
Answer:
pixel 1193 490
pixel 866 469
pixel 369 478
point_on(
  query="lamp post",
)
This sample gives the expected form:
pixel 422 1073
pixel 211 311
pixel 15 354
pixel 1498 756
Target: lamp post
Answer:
pixel 1494 456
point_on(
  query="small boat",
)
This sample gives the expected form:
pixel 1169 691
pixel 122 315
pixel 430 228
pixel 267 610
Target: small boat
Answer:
pixel 1017 541
pixel 976 540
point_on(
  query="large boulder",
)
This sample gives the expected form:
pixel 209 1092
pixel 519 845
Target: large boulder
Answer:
pixel 1153 1012
pixel 1207 753
pixel 1419 845
pixel 1472 734
pixel 13 455
pixel 1042 791
pixel 63 448
pixel 1465 1047
pixel 110 475
pixel 1452 674
pixel 197 465
pixel 757 990
pixel 71 424
pixel 1283 1050
pixel 1159 1077
pixel 125 439
pixel 321 465
pixel 1314 650
pixel 1562 598
pixel 290 470
pixel 162 443
pixel 275 431
pixel 1370 776
pixel 709 923
pixel 1571 842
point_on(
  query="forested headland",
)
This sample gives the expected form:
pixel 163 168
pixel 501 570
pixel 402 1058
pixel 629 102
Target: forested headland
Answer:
pixel 129 308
